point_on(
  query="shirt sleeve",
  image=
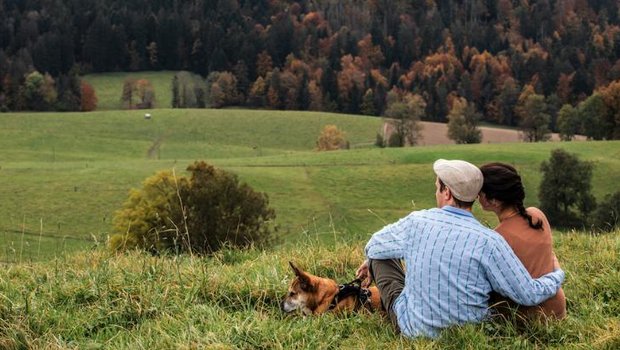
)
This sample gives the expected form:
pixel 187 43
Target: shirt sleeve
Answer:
pixel 390 242
pixel 509 277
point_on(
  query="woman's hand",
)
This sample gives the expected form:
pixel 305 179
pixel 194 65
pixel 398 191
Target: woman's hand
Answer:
pixel 556 263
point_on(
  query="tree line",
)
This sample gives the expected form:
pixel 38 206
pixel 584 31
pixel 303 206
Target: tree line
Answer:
pixel 344 56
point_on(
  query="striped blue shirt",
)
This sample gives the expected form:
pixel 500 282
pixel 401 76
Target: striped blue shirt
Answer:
pixel 452 263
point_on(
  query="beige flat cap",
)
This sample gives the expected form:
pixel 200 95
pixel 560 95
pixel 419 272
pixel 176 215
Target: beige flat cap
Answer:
pixel 462 178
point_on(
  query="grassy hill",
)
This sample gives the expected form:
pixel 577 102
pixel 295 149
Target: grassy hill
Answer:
pixel 64 175
pixel 92 300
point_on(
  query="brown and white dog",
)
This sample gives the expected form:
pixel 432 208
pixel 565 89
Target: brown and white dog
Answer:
pixel 314 295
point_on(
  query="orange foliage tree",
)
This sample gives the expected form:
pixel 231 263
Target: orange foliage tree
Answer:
pixel 89 98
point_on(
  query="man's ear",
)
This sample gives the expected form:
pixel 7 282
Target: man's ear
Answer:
pixel 305 282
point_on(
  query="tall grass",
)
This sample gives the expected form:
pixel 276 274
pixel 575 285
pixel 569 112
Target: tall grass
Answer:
pixel 231 301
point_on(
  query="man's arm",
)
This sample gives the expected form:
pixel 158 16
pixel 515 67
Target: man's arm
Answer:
pixel 390 242
pixel 509 277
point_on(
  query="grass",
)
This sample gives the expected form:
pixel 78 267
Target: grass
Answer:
pixel 64 175
pixel 231 301
pixel 109 87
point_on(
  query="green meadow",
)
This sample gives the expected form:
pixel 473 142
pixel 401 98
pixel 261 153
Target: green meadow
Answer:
pixel 64 175
pixel 109 87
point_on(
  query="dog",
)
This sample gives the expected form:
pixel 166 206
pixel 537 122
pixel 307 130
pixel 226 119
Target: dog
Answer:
pixel 313 295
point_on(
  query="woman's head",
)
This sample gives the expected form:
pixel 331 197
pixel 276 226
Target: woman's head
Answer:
pixel 502 187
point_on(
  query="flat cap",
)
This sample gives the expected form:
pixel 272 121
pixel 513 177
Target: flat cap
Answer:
pixel 462 178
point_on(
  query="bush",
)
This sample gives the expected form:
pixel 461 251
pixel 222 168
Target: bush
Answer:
pixel 331 139
pixel 607 215
pixel 200 214
pixel 564 192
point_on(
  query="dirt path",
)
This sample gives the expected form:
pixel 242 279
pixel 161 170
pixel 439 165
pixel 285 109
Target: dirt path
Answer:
pixel 436 134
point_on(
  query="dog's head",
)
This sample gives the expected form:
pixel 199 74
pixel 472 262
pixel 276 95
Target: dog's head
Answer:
pixel 307 292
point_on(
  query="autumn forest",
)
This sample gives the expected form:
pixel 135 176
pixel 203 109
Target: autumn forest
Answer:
pixel 503 61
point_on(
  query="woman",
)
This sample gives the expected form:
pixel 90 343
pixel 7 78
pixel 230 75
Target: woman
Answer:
pixel 527 231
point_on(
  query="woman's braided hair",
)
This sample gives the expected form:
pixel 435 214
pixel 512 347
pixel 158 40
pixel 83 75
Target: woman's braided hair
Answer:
pixel 502 182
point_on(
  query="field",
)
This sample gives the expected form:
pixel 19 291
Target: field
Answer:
pixel 64 175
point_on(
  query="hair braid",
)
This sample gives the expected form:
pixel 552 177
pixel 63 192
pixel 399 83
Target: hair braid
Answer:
pixel 530 220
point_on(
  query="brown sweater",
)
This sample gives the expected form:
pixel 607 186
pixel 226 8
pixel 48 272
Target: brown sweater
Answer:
pixel 535 250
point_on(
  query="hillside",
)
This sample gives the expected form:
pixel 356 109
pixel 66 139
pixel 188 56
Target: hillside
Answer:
pixel 64 175
pixel 93 300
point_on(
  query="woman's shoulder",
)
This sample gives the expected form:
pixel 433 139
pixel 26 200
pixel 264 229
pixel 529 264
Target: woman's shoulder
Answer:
pixel 536 213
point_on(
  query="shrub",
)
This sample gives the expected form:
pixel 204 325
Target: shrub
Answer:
pixel 199 214
pixel 606 217
pixel 331 139
pixel 564 192
pixel 89 98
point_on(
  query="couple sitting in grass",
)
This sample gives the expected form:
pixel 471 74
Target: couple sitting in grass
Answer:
pixel 456 268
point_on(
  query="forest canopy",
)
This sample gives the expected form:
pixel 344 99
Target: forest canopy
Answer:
pixel 329 55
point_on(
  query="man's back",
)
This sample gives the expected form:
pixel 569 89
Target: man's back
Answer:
pixel 451 262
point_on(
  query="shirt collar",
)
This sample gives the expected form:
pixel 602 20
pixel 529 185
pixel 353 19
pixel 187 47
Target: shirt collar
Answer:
pixel 457 211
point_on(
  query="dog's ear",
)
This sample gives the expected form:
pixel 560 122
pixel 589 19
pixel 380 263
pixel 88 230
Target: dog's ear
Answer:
pixel 295 269
pixel 305 282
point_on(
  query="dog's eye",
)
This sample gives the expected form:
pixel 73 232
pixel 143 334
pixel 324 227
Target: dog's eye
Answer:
pixel 291 294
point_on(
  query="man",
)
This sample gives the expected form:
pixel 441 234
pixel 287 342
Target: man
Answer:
pixel 452 261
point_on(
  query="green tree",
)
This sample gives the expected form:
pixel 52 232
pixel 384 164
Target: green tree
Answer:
pixel 568 122
pixel 463 122
pixel 199 214
pixel 404 114
pixel 38 92
pixel 606 217
pixel 593 114
pixel 565 190
pixel 534 118
pixel 368 103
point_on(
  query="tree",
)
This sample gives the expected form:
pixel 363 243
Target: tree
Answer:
pixel 611 97
pixel 592 112
pixel 200 214
pixel 127 95
pixel 463 122
pixel 565 190
pixel 145 93
pixel 222 89
pixel 568 122
pixel 69 92
pixel 368 103
pixel 331 138
pixel 534 119
pixel 175 92
pixel 404 114
pixel 38 92
pixel 606 217
pixel 89 98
